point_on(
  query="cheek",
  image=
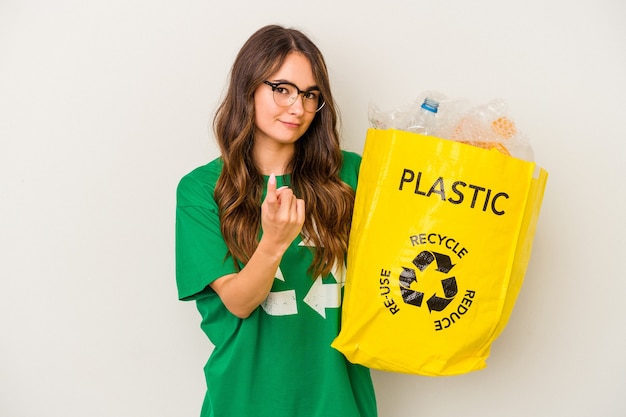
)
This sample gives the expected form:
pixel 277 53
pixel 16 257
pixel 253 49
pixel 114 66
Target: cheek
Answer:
pixel 309 120
pixel 264 107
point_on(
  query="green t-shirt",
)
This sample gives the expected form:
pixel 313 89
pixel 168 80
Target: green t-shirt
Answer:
pixel 277 362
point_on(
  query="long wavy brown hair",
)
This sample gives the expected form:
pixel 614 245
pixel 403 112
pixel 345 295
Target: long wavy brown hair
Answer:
pixel 314 168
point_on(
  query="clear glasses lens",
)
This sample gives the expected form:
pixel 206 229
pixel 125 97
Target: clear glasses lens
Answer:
pixel 286 95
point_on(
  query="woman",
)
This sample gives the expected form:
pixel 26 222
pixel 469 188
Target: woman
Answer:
pixel 261 238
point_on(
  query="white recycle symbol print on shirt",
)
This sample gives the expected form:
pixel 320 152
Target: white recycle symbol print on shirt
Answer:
pixel 319 297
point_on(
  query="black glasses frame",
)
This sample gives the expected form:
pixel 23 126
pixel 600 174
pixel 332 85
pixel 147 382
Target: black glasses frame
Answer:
pixel 300 92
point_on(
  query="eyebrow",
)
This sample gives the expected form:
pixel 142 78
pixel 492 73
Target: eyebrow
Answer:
pixel 283 81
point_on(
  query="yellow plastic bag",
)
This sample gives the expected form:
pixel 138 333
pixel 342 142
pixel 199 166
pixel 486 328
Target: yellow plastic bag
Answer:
pixel 441 237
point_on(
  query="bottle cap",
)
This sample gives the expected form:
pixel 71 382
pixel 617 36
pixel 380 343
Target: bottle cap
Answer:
pixel 430 105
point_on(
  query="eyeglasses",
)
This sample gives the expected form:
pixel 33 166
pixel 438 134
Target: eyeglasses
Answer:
pixel 285 94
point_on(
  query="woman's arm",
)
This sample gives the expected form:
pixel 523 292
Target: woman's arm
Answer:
pixel 282 217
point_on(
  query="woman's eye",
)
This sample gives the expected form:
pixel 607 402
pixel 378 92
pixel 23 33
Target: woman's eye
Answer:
pixel 283 90
pixel 311 95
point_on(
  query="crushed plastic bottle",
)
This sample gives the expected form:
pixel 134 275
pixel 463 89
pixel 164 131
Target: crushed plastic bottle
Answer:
pixel 425 120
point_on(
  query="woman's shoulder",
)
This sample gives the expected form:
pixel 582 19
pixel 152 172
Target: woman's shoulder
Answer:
pixel 197 186
pixel 351 158
pixel 350 169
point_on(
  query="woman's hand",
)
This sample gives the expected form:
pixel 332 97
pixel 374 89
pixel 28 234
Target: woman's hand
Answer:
pixel 282 217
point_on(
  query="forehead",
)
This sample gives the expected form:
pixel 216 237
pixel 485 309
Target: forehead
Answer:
pixel 296 69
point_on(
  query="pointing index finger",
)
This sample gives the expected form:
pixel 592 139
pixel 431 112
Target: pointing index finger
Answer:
pixel 271 188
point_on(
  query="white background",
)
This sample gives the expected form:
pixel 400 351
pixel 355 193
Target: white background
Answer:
pixel 104 105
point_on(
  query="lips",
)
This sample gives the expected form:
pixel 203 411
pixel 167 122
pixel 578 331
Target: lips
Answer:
pixel 291 125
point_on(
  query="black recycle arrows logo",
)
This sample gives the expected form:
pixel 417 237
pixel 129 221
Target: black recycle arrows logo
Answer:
pixel 422 262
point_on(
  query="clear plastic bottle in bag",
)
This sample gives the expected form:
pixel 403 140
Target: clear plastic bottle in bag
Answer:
pixel 425 120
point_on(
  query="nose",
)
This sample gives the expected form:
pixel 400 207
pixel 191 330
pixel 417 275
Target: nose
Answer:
pixel 297 107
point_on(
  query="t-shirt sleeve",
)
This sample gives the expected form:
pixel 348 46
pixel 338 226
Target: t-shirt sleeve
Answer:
pixel 350 169
pixel 201 253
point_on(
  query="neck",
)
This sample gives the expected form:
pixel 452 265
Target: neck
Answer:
pixel 274 159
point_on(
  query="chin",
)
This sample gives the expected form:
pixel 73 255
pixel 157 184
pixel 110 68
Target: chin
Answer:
pixel 286 139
